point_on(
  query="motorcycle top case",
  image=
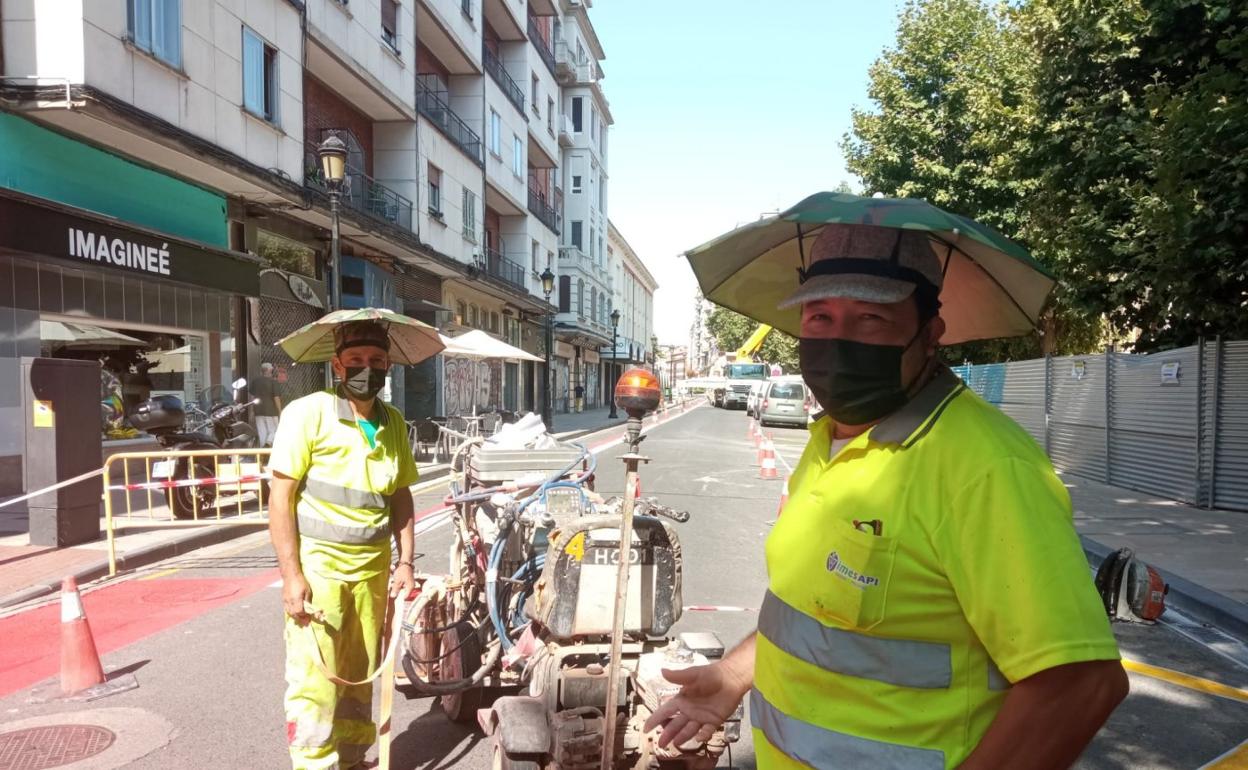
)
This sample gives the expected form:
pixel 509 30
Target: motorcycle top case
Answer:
pixel 158 413
pixel 576 593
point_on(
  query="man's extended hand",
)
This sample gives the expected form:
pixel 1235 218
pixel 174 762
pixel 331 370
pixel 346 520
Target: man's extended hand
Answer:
pixel 403 581
pixel 295 593
pixel 708 696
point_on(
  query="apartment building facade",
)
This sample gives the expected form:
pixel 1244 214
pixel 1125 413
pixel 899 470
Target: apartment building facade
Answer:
pixel 196 125
pixel 633 296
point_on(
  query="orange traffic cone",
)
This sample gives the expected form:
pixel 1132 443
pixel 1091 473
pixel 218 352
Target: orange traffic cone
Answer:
pixel 784 497
pixel 768 469
pixel 80 663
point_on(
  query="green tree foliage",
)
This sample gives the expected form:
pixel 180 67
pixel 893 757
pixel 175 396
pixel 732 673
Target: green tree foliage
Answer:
pixel 1141 152
pixel 730 330
pixel 1110 137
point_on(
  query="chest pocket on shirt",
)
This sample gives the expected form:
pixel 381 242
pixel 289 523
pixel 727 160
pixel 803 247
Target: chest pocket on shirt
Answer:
pixel 852 591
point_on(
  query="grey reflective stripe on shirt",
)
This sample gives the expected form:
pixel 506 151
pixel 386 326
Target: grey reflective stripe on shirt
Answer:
pixel 825 749
pixel 319 529
pixel 906 663
pixel 345 496
pixel 996 680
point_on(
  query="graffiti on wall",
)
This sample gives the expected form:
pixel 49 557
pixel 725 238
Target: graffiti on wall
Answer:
pixel 465 377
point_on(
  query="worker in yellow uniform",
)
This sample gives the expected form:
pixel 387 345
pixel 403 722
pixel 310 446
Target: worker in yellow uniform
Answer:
pixel 341 469
pixel 929 605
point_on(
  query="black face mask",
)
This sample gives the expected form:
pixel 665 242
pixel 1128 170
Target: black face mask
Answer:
pixel 364 383
pixel 855 382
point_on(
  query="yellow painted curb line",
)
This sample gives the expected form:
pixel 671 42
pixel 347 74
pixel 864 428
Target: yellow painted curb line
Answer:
pixel 1187 680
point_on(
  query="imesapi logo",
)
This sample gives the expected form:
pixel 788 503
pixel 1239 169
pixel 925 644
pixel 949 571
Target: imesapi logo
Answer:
pixel 842 570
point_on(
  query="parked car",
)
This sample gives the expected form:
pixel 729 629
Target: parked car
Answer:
pixel 751 402
pixel 784 402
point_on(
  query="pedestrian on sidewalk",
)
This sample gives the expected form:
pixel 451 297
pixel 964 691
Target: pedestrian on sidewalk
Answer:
pixel 270 407
pixel 929 604
pixel 341 470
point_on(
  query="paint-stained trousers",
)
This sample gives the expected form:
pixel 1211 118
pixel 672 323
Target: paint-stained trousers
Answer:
pixel 330 727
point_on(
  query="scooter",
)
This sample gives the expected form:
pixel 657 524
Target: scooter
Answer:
pixel 544 607
pixel 164 417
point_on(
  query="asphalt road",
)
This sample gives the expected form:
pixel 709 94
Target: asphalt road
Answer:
pixel 217 676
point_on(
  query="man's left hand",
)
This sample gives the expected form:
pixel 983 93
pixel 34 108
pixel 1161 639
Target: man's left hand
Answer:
pixel 402 580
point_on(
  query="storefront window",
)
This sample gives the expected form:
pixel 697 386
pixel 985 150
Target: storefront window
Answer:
pixel 135 365
pixel 285 254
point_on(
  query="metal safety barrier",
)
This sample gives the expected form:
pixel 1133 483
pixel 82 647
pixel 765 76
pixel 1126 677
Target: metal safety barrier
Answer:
pixel 193 482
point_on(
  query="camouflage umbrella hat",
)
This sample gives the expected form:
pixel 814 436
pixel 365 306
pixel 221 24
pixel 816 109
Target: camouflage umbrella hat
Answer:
pixel 411 341
pixel 992 286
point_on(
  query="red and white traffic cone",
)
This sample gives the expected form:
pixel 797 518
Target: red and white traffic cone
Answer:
pixel 80 663
pixel 768 469
pixel 758 435
pixel 784 497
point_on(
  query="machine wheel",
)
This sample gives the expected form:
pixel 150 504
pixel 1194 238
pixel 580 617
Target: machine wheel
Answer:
pixel 501 760
pixel 461 707
pixel 182 500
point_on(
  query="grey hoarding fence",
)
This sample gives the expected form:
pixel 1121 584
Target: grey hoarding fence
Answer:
pixel 1174 424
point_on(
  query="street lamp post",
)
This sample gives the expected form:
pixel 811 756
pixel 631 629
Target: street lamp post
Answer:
pixel 333 155
pixel 615 325
pixel 548 412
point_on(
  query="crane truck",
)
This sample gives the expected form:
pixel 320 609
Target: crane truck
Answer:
pixel 740 371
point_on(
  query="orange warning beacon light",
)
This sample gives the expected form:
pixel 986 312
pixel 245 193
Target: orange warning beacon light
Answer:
pixel 637 392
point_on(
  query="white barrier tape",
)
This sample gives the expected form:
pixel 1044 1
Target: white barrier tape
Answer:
pixel 203 481
pixel 54 487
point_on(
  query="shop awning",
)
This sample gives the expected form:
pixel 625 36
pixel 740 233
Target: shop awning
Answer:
pixel 84 336
pixel 46 229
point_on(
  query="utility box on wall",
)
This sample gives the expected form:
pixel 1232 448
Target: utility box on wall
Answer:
pixel 61 408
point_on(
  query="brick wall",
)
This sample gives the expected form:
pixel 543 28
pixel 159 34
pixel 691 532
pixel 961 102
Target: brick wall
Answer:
pixel 322 109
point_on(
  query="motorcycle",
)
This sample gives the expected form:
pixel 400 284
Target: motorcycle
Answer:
pixel 164 417
pixel 527 612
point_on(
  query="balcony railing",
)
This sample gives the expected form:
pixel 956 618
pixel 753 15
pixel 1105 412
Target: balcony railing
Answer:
pixel 543 210
pixel 494 66
pixel 431 104
pixel 360 192
pixel 539 42
pixel 504 269
pixel 565 131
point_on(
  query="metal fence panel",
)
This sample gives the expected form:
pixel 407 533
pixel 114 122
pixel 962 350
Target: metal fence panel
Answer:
pixel 1016 388
pixel 1230 478
pixel 1154 422
pixel 1078 415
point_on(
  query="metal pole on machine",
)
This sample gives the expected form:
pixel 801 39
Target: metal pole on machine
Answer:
pixel 637 392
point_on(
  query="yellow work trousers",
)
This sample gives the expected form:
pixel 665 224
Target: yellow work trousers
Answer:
pixel 330 727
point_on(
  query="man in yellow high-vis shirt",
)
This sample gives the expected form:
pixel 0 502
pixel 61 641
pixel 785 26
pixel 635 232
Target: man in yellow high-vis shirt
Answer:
pixel 341 469
pixel 929 605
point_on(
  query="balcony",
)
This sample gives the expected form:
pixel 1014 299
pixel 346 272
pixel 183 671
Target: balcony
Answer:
pixel 565 131
pixel 571 70
pixel 502 268
pixel 540 43
pixel 572 256
pixel 431 103
pixel 543 210
pixel 494 66
pixel 360 192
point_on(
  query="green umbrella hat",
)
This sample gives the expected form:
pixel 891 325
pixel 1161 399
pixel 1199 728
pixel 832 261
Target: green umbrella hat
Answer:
pixel 991 285
pixel 411 341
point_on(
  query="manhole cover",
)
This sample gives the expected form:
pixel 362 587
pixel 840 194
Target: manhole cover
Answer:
pixel 36 748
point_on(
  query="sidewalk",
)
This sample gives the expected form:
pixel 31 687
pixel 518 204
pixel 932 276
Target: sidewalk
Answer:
pixel 1203 554
pixel 28 571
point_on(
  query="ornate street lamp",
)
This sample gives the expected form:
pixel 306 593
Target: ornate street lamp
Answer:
pixel 615 324
pixel 333 155
pixel 548 414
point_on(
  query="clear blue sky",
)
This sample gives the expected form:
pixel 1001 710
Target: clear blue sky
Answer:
pixel 724 110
